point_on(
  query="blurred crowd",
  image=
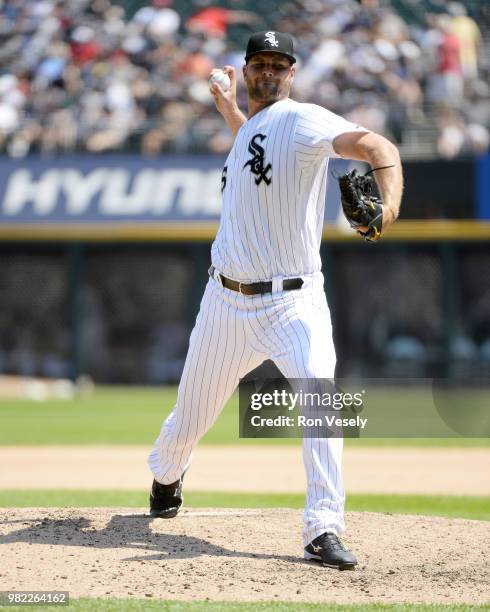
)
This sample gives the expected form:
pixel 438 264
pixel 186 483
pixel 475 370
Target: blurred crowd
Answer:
pixel 89 75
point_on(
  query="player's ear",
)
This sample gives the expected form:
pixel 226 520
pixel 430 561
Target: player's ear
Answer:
pixel 244 70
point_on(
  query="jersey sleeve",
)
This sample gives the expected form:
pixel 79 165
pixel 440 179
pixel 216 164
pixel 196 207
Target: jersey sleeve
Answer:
pixel 316 129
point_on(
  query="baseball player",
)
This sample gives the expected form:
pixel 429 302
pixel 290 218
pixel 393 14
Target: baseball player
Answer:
pixel 265 298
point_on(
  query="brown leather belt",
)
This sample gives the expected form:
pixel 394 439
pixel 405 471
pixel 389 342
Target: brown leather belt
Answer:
pixel 288 284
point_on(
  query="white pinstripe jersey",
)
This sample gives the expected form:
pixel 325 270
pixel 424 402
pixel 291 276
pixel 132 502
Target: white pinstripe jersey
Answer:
pixel 273 187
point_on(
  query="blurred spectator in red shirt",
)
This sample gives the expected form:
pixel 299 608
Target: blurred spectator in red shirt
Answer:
pixel 214 20
pixel 446 84
pixel 468 34
pixel 84 47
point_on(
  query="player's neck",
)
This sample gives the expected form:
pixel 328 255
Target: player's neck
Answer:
pixel 255 107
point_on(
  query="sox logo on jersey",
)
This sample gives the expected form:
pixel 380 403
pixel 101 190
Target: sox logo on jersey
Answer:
pixel 257 162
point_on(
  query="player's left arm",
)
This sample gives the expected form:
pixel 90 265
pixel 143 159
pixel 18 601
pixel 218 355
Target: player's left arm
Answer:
pixel 378 152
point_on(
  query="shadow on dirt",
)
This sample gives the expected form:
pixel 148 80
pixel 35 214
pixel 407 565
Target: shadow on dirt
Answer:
pixel 131 531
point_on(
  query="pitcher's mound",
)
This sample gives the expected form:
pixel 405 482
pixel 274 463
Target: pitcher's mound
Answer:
pixel 233 555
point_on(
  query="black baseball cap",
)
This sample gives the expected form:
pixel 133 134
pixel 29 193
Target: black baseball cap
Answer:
pixel 271 41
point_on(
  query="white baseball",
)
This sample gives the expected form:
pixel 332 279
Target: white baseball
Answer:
pixel 221 78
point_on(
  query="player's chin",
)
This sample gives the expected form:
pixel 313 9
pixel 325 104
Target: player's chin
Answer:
pixel 265 92
pixel 267 98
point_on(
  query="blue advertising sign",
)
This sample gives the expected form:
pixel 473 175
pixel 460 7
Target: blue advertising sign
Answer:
pixel 483 187
pixel 108 188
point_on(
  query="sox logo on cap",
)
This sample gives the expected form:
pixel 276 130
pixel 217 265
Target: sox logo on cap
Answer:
pixel 270 37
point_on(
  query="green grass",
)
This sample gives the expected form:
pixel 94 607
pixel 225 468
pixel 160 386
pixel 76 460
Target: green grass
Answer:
pixel 144 605
pixel 477 508
pixel 133 415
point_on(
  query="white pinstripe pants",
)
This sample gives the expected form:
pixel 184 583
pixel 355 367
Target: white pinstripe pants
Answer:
pixel 234 334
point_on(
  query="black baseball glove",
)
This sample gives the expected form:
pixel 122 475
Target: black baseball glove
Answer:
pixel 360 206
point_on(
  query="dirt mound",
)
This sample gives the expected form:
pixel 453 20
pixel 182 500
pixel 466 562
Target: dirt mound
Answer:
pixel 240 555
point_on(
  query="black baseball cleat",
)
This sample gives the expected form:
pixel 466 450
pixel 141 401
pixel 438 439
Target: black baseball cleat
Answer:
pixel 166 500
pixel 330 552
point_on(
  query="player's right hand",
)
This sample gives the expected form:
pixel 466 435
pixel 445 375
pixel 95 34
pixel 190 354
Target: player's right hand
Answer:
pixel 225 100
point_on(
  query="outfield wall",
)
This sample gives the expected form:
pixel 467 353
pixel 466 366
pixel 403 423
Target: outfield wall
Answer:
pixel 122 312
